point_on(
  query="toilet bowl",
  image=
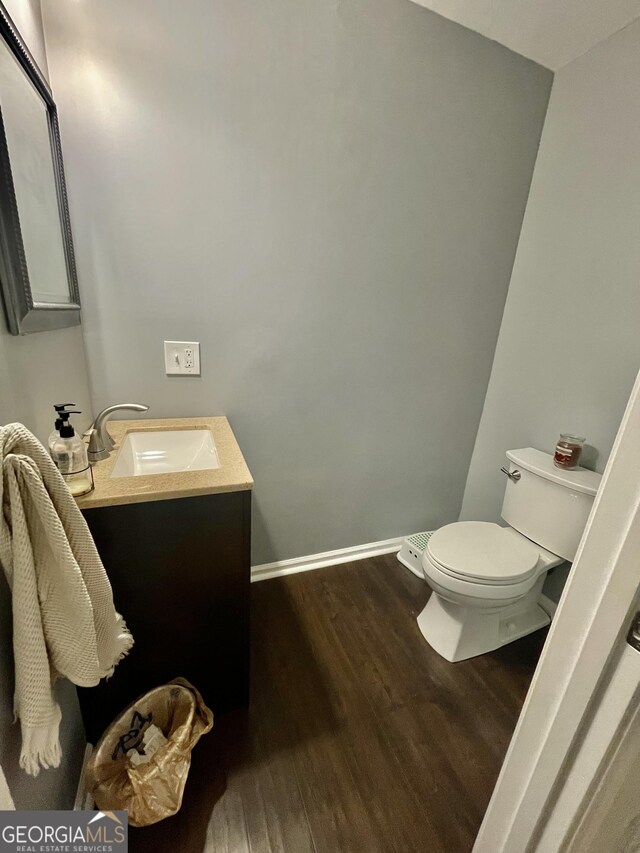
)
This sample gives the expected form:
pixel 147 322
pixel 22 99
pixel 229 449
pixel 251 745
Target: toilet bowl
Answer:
pixel 487 579
pixel 487 582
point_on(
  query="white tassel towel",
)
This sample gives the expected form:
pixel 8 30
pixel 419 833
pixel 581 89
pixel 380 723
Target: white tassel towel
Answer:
pixel 64 620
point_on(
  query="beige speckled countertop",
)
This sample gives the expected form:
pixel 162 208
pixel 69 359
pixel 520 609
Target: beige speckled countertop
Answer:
pixel 232 476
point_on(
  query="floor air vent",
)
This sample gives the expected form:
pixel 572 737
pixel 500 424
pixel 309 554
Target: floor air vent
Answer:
pixel 412 549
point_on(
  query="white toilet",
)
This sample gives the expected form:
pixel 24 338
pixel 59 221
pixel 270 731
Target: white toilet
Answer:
pixel 486 579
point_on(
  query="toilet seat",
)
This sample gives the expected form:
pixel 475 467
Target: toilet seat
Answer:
pixel 483 552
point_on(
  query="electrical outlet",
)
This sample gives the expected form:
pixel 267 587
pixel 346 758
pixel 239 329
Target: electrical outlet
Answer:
pixel 182 358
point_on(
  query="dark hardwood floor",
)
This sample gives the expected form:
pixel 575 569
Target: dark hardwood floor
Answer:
pixel 359 738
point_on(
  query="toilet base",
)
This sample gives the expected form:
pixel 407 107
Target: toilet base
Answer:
pixel 458 632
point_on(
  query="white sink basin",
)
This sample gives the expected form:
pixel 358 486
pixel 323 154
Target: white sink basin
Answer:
pixel 165 452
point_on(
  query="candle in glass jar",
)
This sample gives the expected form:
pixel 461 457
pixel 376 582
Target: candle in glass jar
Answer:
pixel 568 450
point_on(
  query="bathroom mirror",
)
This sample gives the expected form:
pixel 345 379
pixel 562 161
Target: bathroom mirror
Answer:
pixel 37 267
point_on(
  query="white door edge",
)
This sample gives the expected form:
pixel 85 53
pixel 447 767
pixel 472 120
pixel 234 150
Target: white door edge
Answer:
pixel 616 711
pixel 591 620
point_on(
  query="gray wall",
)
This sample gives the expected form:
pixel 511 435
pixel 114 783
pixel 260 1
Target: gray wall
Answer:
pixel 27 17
pixel 569 345
pixel 36 371
pixel 39 370
pixel 328 196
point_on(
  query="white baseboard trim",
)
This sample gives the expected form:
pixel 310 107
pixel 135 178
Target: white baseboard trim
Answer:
pixel 81 800
pixel 328 558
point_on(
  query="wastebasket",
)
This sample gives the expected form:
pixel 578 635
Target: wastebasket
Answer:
pixel 152 790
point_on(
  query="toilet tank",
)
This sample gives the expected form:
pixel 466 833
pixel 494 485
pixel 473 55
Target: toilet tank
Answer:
pixel 547 504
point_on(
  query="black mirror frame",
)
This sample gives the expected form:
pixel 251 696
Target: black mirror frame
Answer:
pixel 23 314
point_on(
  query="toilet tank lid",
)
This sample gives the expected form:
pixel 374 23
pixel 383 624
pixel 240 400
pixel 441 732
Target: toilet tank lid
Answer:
pixel 579 479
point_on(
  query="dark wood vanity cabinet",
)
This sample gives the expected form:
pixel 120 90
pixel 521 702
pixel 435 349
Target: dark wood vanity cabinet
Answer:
pixel 180 573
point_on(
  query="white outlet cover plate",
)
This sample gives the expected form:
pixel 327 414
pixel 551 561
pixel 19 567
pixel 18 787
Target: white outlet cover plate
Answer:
pixel 182 358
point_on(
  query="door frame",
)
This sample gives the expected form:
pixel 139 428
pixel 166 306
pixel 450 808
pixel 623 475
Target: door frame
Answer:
pixel 592 619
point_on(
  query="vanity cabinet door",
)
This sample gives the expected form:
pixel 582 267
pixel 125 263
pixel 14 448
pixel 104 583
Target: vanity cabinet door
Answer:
pixel 180 573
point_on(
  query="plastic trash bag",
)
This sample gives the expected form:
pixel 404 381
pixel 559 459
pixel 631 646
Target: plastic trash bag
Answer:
pixel 152 790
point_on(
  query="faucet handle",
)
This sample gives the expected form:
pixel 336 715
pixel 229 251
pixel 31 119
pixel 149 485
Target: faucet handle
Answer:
pixel 96 450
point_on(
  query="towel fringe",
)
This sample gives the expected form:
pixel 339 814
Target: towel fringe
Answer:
pixel 40 748
pixel 123 644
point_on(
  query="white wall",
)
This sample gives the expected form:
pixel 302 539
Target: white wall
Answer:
pixel 327 196
pixel 550 32
pixel 569 345
pixel 36 371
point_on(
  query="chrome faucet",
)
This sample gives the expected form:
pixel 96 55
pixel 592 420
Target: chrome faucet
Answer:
pixel 100 442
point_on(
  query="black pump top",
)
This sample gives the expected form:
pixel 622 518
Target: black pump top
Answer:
pixel 66 429
pixel 60 409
